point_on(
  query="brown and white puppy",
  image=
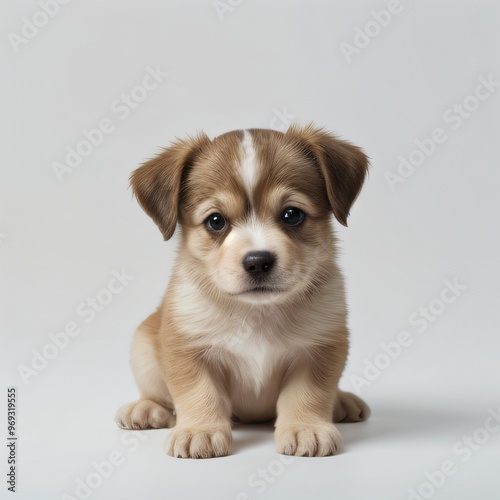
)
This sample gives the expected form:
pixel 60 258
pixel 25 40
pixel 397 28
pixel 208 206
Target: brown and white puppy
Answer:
pixel 253 324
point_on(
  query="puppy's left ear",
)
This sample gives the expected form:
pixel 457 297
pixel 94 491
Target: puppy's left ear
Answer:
pixel 157 183
pixel 342 165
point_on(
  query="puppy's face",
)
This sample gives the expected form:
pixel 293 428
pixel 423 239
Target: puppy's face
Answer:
pixel 254 206
pixel 255 215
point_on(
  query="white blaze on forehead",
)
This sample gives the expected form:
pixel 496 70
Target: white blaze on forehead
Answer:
pixel 255 232
pixel 248 163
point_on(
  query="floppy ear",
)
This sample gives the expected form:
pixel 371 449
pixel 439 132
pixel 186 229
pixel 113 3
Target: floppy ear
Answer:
pixel 342 165
pixel 157 183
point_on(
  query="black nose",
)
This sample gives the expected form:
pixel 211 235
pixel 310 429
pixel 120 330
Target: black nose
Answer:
pixel 258 263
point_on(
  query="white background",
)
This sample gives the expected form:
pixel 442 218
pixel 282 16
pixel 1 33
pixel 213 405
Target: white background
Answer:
pixel 61 241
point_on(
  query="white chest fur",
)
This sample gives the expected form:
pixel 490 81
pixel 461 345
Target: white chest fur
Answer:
pixel 251 360
pixel 239 341
pixel 253 343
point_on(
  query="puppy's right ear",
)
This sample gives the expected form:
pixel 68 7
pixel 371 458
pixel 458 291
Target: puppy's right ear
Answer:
pixel 157 183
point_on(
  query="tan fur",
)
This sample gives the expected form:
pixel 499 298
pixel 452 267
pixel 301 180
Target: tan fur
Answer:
pixel 216 349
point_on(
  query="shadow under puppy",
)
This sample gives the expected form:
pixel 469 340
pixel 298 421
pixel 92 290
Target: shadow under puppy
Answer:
pixel 253 324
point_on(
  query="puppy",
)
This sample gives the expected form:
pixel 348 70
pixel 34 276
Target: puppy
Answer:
pixel 253 324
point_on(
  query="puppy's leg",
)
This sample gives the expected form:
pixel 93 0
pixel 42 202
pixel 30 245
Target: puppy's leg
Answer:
pixel 154 408
pixel 350 408
pixel 202 405
pixel 304 424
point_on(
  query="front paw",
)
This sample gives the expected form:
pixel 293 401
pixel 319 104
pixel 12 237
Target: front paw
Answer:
pixel 144 414
pixel 308 440
pixel 199 442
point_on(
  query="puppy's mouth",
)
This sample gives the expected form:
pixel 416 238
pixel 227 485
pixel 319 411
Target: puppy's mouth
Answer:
pixel 260 289
pixel 263 289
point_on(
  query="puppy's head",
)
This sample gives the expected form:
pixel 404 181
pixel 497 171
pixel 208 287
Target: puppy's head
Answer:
pixel 254 206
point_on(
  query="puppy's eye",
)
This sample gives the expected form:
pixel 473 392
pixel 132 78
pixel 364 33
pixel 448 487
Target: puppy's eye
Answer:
pixel 293 216
pixel 215 222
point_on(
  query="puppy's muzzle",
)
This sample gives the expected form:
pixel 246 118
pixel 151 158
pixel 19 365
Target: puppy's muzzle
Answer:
pixel 259 264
